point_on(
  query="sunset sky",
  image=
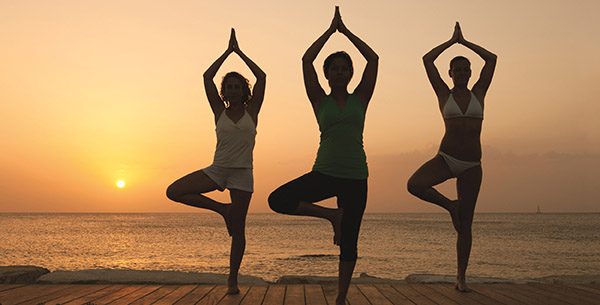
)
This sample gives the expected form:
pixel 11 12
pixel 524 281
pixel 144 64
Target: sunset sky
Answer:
pixel 92 92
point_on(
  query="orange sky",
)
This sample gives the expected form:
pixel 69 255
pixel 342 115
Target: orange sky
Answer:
pixel 96 91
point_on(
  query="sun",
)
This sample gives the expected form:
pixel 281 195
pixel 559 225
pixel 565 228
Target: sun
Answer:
pixel 120 184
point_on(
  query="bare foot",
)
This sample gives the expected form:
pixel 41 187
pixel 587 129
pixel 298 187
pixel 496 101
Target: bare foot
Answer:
pixel 225 215
pixel 462 286
pixel 336 222
pixel 232 287
pixel 453 209
pixel 232 290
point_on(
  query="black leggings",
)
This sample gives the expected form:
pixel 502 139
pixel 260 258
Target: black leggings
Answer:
pixel 351 196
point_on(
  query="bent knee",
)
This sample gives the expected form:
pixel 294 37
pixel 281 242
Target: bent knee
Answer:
pixel 280 203
pixel 414 187
pixel 172 193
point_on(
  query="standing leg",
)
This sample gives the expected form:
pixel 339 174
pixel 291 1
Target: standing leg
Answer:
pixel 297 196
pixel 352 197
pixel 468 185
pixel 420 184
pixel 240 200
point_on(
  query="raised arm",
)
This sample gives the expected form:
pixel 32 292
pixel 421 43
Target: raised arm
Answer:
pixel 439 86
pixel 214 99
pixel 365 88
pixel 311 82
pixel 487 72
pixel 258 90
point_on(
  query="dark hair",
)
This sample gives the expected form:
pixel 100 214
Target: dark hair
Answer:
pixel 457 58
pixel 330 58
pixel 247 93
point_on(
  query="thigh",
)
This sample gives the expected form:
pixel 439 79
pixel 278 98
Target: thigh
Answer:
pixel 195 183
pixel 238 210
pixel 433 172
pixel 468 185
pixel 352 197
pixel 311 187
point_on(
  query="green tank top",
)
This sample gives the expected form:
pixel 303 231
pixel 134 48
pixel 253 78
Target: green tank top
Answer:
pixel 341 153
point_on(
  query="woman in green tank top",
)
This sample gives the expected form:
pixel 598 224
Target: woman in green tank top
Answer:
pixel 340 169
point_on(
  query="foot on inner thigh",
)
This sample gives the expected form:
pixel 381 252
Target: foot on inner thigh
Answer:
pixel 336 222
pixel 453 209
pixel 225 213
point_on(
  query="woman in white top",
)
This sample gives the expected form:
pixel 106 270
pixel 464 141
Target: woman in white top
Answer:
pixel 236 116
pixel 460 151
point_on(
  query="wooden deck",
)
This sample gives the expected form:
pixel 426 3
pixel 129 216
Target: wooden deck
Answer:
pixel 380 294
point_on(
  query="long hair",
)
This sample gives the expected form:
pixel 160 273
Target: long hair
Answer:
pixel 246 94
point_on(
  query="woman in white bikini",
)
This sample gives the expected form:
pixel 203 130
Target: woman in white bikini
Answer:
pixel 459 155
pixel 236 117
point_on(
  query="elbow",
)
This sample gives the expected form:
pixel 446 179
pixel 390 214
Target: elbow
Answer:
pixel 307 59
pixel 374 58
pixel 493 57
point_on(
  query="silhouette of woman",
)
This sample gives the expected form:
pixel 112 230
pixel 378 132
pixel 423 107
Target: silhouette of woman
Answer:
pixel 236 116
pixel 340 169
pixel 459 154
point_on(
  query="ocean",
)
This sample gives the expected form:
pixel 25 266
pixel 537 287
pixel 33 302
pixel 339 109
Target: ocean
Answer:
pixel 392 246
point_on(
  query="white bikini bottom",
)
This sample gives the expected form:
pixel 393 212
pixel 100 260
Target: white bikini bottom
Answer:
pixel 457 166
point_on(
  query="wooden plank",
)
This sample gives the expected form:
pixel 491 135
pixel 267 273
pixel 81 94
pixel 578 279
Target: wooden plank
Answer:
pixel 235 299
pixel 432 294
pixel 393 295
pixel 83 291
pixel 517 292
pixel 4 287
pixel 136 295
pixel 452 294
pixel 275 295
pixel 496 293
pixel 330 291
pixel 96 295
pixel 294 295
pixel 550 298
pixel 176 295
pixel 562 292
pixel 589 288
pixel 412 294
pixel 156 295
pixel 214 296
pixel 255 295
pixel 355 297
pixel 475 295
pixel 28 292
pixel 51 296
pixel 198 293
pixel 373 295
pixel 314 295
pixel 113 296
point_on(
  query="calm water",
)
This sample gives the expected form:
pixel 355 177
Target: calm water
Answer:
pixel 390 246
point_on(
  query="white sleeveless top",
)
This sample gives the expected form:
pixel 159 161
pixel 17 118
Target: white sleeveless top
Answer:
pixel 235 141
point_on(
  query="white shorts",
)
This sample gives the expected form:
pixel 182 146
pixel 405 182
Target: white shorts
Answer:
pixel 231 178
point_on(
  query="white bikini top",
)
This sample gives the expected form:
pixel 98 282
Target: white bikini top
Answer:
pixel 451 109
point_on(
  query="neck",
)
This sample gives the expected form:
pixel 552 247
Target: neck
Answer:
pixel 339 92
pixel 235 106
pixel 460 88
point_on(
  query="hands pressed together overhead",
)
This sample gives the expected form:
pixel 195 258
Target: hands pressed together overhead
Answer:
pixel 337 24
